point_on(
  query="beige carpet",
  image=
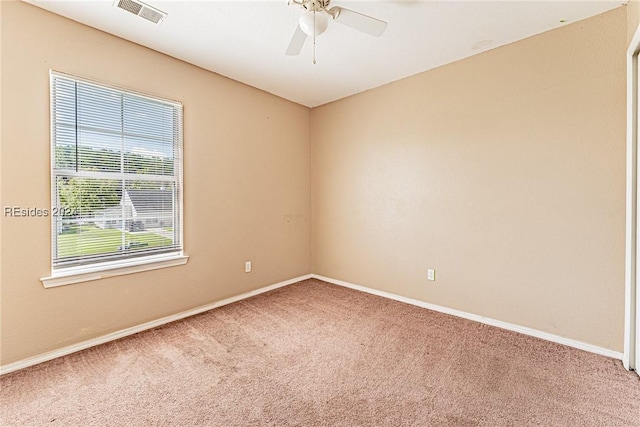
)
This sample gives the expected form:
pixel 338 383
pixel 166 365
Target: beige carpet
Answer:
pixel 315 354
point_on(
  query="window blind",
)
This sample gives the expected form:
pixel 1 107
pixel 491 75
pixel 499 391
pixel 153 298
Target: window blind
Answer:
pixel 116 174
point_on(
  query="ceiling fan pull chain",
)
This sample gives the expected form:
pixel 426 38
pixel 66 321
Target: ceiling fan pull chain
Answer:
pixel 314 36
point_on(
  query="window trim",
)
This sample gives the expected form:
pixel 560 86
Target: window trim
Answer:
pixel 105 270
pixel 83 273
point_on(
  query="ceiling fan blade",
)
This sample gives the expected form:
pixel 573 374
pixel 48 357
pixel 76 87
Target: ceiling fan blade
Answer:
pixel 360 22
pixel 296 43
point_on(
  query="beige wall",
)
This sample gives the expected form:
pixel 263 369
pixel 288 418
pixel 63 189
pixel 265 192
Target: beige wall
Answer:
pixel 633 18
pixel 246 185
pixel 505 172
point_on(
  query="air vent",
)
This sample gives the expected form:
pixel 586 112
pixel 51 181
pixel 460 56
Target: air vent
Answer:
pixel 142 10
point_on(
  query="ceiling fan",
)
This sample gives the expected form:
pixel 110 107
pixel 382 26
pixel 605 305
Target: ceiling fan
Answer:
pixel 315 21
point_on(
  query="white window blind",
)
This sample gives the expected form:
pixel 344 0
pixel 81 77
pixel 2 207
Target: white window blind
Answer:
pixel 116 174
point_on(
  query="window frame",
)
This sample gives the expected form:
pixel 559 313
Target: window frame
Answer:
pixel 81 273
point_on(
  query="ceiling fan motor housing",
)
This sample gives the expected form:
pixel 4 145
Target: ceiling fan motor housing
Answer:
pixel 317 5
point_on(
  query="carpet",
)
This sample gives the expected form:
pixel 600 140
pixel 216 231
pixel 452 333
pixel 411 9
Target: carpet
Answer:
pixel 316 354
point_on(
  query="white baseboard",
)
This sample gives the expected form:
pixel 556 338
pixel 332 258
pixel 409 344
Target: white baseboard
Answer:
pixel 45 357
pixel 477 318
pixel 25 363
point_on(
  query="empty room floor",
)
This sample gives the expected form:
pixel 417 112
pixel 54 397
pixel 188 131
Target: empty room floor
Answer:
pixel 314 353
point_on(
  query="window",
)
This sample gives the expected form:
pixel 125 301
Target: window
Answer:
pixel 116 162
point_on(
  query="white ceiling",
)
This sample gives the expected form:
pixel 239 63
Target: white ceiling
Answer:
pixel 246 40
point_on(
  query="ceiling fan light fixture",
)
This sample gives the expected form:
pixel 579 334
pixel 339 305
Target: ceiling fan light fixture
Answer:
pixel 321 24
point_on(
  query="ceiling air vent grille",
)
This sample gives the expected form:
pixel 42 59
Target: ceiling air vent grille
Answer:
pixel 142 10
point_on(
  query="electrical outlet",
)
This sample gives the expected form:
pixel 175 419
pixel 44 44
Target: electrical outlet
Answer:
pixel 431 274
pixel 247 267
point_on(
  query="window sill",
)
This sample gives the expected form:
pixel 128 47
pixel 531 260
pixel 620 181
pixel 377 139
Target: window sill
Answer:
pixel 84 274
